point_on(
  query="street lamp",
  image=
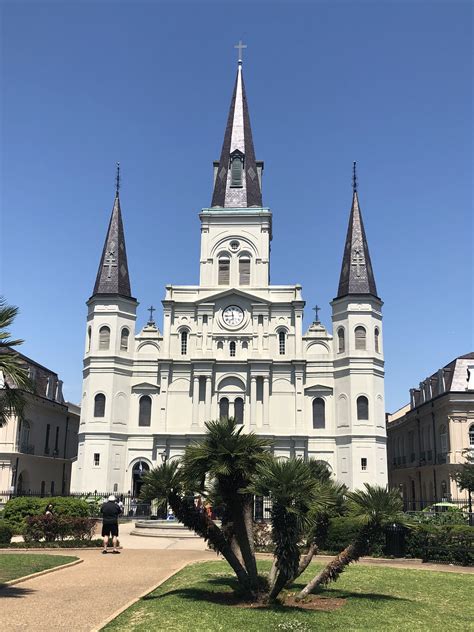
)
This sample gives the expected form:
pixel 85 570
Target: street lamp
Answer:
pixel 164 456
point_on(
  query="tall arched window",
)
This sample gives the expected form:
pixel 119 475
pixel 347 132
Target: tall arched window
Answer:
pixel 471 435
pixel 232 349
pixel 239 410
pixel 376 340
pixel 236 170
pixel 99 405
pixel 362 408
pixel 244 271
pixel 184 342
pixel 124 334
pixel 282 342
pixel 443 439
pixel 360 338
pixel 144 414
pixel 224 271
pixel 104 337
pixel 89 336
pixel 341 342
pixel 224 408
pixel 319 414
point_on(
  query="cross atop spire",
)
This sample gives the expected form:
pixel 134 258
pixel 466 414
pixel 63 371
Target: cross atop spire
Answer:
pixel 357 276
pixel 117 180
pixel 240 46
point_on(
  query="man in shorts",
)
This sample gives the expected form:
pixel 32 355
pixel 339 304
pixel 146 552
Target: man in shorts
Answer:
pixel 110 512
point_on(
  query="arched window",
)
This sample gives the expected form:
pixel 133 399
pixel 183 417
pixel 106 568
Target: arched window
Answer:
pixel 184 342
pixel 360 338
pixel 239 410
pixel 144 414
pixel 124 339
pixel 362 408
pixel 232 349
pixel 341 343
pixel 319 415
pixel 245 345
pixel 89 336
pixel 444 489
pixel 224 271
pixel 244 271
pixel 99 405
pixel 236 170
pixel 443 439
pixel 282 342
pixel 376 340
pixel 104 337
pixel 224 408
pixel 471 435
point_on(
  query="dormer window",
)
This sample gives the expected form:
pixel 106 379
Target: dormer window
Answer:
pixel 236 168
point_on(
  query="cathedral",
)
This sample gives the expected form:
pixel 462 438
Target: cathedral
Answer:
pixel 233 345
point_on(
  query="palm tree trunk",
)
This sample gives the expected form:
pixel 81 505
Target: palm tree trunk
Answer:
pixel 335 567
pixel 305 561
pixel 273 572
pixel 240 515
pixel 201 524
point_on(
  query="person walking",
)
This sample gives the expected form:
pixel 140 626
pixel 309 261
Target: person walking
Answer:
pixel 110 512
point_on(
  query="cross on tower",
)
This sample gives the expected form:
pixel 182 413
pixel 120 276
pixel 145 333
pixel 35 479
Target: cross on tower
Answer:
pixel 110 262
pixel 357 261
pixel 317 309
pixel 151 309
pixel 240 46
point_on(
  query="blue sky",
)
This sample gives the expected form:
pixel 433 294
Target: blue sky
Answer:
pixel 388 84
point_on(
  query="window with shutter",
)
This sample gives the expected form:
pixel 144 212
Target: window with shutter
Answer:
pixel 239 410
pixel 362 408
pixel 104 338
pixel 124 339
pixel 224 408
pixel 341 341
pixel 244 271
pixel 319 417
pixel 224 271
pixel 144 414
pixel 99 405
pixel 236 170
pixel 360 338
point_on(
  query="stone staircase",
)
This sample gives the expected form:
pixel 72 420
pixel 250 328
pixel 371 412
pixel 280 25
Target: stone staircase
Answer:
pixel 171 529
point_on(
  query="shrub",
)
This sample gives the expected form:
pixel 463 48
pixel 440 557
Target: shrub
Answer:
pixel 344 530
pixel 6 532
pixel 50 528
pixel 57 544
pixel 453 544
pixel 18 509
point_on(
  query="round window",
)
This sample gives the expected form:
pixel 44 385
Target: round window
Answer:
pixel 234 245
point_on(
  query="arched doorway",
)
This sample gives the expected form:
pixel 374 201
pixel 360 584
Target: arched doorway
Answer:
pixel 138 471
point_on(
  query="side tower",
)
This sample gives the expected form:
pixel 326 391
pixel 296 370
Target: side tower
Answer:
pixel 359 363
pixel 108 363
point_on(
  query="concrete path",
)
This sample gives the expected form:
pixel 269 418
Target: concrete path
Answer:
pixel 81 598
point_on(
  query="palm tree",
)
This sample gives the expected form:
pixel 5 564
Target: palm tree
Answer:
pixel 293 490
pixel 15 377
pixel 375 507
pixel 228 458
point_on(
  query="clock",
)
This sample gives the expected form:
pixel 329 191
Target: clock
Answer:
pixel 233 315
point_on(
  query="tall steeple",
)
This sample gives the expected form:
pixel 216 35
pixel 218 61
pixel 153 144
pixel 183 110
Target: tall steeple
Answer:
pixel 238 176
pixel 357 276
pixel 112 275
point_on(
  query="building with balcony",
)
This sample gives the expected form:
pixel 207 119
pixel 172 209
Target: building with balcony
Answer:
pixel 36 453
pixel 427 437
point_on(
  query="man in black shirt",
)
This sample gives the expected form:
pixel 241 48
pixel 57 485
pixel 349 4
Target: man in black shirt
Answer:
pixel 110 512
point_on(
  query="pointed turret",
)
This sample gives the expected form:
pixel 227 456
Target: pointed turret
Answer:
pixel 237 182
pixel 112 276
pixel 357 276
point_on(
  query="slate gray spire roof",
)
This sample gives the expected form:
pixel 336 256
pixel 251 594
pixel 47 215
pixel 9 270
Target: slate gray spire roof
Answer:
pixel 112 276
pixel 357 276
pixel 237 141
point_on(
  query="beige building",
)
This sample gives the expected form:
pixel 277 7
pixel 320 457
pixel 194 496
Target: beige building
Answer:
pixel 426 438
pixel 36 453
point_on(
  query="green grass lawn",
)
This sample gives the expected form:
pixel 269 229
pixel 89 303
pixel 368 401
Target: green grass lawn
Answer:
pixel 376 599
pixel 14 565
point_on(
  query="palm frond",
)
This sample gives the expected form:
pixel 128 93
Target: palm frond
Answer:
pixel 377 505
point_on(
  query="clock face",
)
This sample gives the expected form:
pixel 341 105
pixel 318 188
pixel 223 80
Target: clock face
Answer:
pixel 233 315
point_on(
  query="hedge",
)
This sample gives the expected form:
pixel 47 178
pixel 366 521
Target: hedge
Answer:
pixel 453 544
pixel 6 532
pixel 57 544
pixel 50 528
pixel 18 509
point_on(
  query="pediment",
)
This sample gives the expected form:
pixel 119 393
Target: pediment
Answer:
pixel 145 386
pixel 318 389
pixel 233 292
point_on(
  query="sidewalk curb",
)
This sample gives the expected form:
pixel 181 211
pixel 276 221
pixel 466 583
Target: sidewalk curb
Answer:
pixel 19 580
pixel 143 594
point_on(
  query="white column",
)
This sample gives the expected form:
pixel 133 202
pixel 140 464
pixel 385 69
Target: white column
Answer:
pixel 253 401
pixel 208 398
pixel 266 399
pixel 195 400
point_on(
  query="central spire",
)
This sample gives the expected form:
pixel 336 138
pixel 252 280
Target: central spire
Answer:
pixel 237 182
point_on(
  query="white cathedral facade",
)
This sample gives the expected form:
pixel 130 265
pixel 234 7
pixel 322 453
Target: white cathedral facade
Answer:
pixel 233 345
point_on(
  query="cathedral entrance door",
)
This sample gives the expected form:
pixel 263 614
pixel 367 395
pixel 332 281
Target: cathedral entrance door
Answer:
pixel 139 469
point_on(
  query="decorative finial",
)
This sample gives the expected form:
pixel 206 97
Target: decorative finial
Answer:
pixel 354 177
pixel 117 180
pixel 151 320
pixel 317 309
pixel 240 46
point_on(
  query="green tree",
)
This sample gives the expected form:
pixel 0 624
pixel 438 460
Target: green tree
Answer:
pixel 376 507
pixel 464 477
pixel 12 369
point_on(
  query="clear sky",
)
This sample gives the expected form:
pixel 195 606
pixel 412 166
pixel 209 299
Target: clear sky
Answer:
pixel 388 84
